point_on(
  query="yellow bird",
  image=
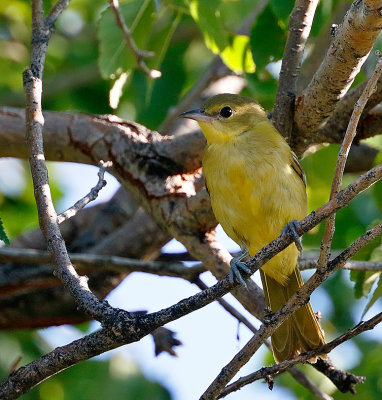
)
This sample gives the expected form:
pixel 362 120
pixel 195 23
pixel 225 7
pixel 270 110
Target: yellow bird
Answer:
pixel 257 187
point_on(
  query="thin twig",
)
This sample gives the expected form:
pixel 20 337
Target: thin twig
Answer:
pixel 37 9
pixel 342 157
pixel 91 196
pixel 32 79
pixel 127 34
pixel 351 265
pixel 296 301
pixel 306 260
pixel 308 384
pixel 56 10
pixel 230 309
pixel 111 263
pixel 300 23
pixel 303 357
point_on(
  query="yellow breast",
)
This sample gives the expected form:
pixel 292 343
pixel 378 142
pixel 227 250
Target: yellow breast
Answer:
pixel 255 192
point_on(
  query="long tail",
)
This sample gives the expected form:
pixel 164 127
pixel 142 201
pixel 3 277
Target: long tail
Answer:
pixel 301 332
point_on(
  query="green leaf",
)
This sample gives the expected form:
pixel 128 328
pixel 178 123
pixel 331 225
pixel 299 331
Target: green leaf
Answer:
pixel 171 83
pixel 234 12
pixel 282 8
pixel 323 17
pixel 376 295
pixel 161 37
pixel 263 90
pixel 364 280
pixel 84 327
pixel 237 56
pixel 376 255
pixel 358 278
pixel 267 38
pixel 207 16
pixel 115 57
pixel 160 41
pixel 178 5
pixel 319 168
pixel 3 235
pixel 369 278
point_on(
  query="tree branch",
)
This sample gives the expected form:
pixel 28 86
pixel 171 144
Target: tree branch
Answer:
pixel 350 46
pixel 342 157
pixel 96 263
pixel 351 265
pixel 91 196
pixel 303 357
pixel 101 262
pixel 32 76
pixel 56 11
pixel 139 54
pixel 334 128
pixel 300 23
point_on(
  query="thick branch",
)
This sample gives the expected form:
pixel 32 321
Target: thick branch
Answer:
pixel 83 138
pixel 335 127
pixel 351 44
pixel 300 23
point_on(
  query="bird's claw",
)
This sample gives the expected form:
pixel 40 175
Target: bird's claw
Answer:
pixel 268 314
pixel 237 269
pixel 291 227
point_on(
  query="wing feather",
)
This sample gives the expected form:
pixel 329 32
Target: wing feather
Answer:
pixel 297 168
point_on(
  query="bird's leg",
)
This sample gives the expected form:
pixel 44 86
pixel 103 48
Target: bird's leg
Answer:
pixel 291 227
pixel 238 267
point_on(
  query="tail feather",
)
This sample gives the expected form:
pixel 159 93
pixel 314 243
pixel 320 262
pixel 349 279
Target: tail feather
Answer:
pixel 301 332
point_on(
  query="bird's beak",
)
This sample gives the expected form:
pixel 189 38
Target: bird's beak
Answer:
pixel 198 115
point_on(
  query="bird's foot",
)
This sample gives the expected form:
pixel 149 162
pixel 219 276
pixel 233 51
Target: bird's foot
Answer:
pixel 239 268
pixel 268 314
pixel 291 227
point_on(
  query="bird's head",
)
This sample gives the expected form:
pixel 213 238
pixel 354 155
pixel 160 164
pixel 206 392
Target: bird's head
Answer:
pixel 225 116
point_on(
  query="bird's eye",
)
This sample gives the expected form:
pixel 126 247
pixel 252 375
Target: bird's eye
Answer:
pixel 226 112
